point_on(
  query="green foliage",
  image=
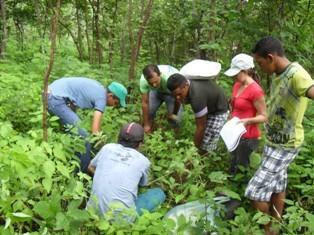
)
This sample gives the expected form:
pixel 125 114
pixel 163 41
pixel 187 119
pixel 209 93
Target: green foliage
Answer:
pixel 39 189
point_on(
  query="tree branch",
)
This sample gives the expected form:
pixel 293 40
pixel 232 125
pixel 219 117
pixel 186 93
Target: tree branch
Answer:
pixel 54 30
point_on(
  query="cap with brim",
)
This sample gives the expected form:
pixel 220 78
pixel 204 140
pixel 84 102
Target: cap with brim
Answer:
pixel 232 72
pixel 131 132
pixel 240 62
pixel 119 91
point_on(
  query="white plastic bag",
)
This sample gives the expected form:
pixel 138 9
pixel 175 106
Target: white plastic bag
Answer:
pixel 201 69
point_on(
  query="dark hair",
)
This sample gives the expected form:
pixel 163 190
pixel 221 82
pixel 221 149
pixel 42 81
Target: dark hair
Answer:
pixel 149 70
pixel 268 45
pixel 253 74
pixel 175 80
pixel 129 143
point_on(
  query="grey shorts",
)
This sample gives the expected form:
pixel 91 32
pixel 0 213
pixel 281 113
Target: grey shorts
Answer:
pixel 156 99
pixel 213 127
pixel 271 176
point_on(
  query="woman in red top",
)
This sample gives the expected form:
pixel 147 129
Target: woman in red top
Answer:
pixel 248 104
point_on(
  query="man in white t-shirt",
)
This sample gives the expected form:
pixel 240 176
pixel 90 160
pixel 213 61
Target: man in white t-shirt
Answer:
pixel 118 170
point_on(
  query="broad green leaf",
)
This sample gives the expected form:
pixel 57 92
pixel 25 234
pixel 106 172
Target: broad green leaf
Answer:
pixel 7 223
pixel 58 152
pixel 179 197
pixel 47 183
pixel 77 214
pixel 229 193
pixel 63 170
pixel 218 176
pixel 5 129
pixel 43 209
pixel 263 220
pixel 62 222
pixel 103 225
pixel 47 147
pixel 49 168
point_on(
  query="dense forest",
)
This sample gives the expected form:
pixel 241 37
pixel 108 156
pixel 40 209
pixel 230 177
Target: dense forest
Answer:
pixel 112 40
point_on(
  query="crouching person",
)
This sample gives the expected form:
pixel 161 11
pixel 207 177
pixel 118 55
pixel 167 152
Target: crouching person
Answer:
pixel 118 170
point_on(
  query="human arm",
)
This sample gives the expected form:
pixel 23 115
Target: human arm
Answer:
pixel 94 163
pixel 173 115
pixel 310 93
pixel 144 178
pixel 145 110
pixel 91 169
pixel 96 122
pixel 303 84
pixel 200 130
pixel 261 115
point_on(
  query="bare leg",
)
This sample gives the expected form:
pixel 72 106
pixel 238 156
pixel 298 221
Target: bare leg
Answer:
pixel 277 201
pixel 265 208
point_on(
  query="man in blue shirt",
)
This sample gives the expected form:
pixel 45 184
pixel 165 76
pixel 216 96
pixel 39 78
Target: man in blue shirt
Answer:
pixel 118 170
pixel 66 94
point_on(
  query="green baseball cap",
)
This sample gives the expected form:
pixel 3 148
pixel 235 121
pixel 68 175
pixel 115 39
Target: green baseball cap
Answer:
pixel 119 91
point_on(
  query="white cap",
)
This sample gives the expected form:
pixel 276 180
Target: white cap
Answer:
pixel 200 69
pixel 238 63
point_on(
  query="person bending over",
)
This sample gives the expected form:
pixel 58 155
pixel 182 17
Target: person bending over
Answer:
pixel 118 170
pixel 153 86
pixel 209 104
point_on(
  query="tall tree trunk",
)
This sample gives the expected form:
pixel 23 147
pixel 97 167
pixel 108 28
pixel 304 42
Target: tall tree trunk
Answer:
pixel 98 33
pixel 89 46
pixel 111 37
pixel 173 48
pixel 41 24
pixel 4 30
pixel 157 51
pixel 79 31
pixel 75 39
pixel 131 39
pixel 54 30
pixel 136 47
pixel 212 25
pixel 19 32
pixel 122 46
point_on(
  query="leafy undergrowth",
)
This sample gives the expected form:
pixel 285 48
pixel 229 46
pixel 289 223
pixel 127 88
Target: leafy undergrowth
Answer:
pixel 41 192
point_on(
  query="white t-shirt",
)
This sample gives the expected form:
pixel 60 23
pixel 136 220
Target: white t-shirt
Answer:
pixel 119 172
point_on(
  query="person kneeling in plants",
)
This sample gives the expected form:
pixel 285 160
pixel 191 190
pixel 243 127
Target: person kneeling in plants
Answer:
pixel 118 170
pixel 67 94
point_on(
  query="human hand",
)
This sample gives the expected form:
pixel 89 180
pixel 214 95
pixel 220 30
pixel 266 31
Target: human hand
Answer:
pixel 147 129
pixel 172 117
pixel 244 121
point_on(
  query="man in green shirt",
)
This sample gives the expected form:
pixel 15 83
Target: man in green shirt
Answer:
pixel 291 88
pixel 153 86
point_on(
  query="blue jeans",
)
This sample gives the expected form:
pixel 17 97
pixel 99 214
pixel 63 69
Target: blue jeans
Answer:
pixel 58 106
pixel 85 157
pixel 149 200
pixel 156 99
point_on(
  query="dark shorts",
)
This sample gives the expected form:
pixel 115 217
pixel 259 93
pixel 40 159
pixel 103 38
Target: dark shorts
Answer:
pixel 241 155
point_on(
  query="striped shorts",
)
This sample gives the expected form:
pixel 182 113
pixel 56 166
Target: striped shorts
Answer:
pixel 213 127
pixel 271 176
